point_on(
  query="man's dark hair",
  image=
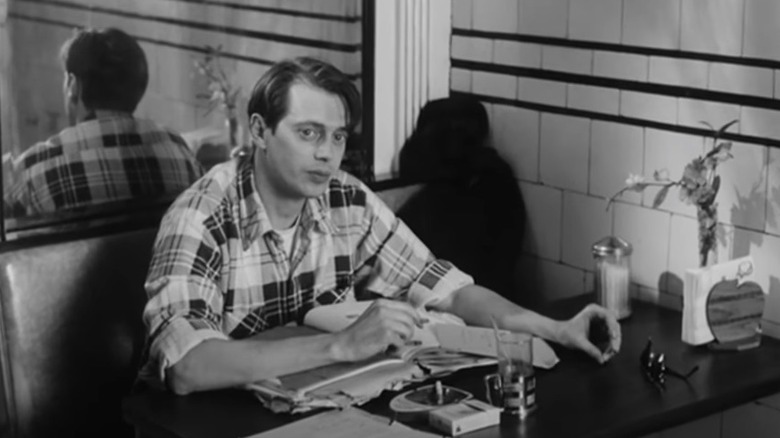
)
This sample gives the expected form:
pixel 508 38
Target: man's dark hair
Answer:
pixel 270 95
pixel 111 67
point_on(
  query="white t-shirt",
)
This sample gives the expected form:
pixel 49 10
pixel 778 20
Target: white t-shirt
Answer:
pixel 288 237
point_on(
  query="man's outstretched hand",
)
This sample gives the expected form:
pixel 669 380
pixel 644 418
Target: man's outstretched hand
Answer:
pixel 595 330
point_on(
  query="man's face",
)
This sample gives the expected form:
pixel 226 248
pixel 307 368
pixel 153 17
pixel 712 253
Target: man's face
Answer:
pixel 308 144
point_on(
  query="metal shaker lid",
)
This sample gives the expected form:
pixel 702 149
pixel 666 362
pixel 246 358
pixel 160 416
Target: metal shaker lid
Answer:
pixel 612 245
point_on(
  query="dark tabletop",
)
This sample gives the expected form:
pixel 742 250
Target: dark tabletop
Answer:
pixel 577 398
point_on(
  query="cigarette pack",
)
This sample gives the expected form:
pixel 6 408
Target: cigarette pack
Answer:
pixel 464 417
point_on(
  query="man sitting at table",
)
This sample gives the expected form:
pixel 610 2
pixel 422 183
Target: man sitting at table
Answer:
pixel 262 239
pixel 106 155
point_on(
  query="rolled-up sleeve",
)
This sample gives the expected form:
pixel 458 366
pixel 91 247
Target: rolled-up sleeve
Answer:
pixel 401 264
pixel 184 306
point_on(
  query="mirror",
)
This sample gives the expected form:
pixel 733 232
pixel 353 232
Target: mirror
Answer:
pixel 66 165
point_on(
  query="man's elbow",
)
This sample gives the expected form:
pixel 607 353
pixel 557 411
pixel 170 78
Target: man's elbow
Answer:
pixel 181 379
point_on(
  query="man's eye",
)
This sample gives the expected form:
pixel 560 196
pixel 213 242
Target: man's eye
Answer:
pixel 340 138
pixel 307 133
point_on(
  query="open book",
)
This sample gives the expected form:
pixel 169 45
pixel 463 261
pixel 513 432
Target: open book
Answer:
pixel 348 383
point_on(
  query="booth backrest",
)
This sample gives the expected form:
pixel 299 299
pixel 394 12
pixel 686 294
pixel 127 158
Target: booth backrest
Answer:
pixel 71 334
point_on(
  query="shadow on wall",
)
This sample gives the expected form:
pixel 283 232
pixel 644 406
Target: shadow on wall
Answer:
pixel 671 283
pixel 470 210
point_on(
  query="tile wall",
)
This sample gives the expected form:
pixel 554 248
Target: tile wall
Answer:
pixel 582 93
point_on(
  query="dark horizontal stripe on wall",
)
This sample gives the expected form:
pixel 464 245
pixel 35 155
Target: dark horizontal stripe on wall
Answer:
pixel 191 48
pixel 622 84
pixel 288 39
pixel 620 119
pixel 280 11
pixel 611 47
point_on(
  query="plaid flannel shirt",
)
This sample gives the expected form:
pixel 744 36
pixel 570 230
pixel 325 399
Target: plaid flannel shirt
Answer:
pixel 111 158
pixel 219 270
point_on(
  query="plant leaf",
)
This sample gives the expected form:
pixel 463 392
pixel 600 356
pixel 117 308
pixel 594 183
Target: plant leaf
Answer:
pixel 715 186
pixel 661 196
pixel 712 128
pixel 725 127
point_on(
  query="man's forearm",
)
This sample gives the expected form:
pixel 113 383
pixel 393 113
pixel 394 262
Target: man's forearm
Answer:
pixel 215 364
pixel 478 305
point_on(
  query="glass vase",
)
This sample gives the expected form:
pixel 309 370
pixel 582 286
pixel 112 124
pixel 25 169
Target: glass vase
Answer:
pixel 708 224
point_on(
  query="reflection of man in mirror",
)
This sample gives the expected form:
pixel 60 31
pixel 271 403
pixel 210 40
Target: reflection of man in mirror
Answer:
pixel 106 155
pixel 279 230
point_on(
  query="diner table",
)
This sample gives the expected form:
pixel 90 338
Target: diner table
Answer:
pixel 576 398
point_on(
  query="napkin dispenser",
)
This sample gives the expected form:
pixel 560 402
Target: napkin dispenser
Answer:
pixel 723 305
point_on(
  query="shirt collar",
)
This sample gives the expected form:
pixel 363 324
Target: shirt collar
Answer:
pixel 253 217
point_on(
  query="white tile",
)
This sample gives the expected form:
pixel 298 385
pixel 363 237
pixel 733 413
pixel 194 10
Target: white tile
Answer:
pixel 517 53
pixel 615 152
pixel 751 420
pixel 595 20
pixel 460 80
pixel 777 84
pixel 563 150
pixel 741 79
pixel 692 112
pixel 742 195
pixel 543 210
pixel 683 250
pixel 541 91
pixel 772 401
pixel 560 281
pixel 651 107
pixel 668 153
pixel 515 135
pixel 472 48
pixel 712 27
pixel 760 21
pixel 773 193
pixel 648 231
pixel 652 24
pixel 620 65
pixel 598 99
pixel 760 122
pixel 682 72
pixel 585 221
pixel 461 14
pixel 493 84
pixel 495 15
pixel 545 18
pixel 567 60
pixel 707 427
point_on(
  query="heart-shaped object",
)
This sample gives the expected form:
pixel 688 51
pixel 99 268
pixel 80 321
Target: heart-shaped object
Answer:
pixel 734 314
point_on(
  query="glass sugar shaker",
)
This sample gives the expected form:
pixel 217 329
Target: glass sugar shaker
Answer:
pixel 612 274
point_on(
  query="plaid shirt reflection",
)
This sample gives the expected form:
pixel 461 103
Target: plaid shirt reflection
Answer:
pixel 220 271
pixel 113 158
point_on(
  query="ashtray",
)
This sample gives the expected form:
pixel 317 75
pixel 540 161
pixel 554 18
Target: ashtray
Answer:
pixel 426 398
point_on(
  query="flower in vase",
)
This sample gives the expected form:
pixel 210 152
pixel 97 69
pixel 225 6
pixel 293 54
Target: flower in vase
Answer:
pixel 221 92
pixel 698 186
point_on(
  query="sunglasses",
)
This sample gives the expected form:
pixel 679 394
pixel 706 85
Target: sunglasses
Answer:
pixel 655 370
